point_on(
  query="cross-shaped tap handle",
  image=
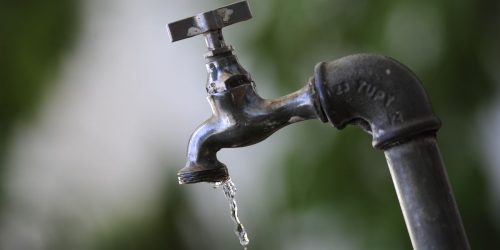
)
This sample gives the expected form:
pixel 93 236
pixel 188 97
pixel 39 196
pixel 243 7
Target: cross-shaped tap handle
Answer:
pixel 210 24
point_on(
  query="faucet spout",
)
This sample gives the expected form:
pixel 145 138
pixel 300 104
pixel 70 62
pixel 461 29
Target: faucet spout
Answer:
pixel 241 118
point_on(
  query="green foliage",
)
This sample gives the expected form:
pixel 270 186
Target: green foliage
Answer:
pixel 33 36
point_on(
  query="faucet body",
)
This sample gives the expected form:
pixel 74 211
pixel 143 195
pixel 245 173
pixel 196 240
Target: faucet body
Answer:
pixel 377 93
pixel 240 117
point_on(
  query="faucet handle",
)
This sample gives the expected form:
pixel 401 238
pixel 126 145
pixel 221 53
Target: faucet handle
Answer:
pixel 210 24
pixel 213 20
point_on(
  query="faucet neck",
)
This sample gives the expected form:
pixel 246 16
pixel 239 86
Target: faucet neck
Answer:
pixel 215 43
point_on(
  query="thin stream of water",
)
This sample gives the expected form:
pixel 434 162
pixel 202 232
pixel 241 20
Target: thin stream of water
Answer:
pixel 230 192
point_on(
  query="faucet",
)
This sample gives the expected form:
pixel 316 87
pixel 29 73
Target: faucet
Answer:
pixel 377 93
pixel 240 117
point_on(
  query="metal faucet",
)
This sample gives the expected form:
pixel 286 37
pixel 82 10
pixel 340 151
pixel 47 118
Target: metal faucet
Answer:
pixel 240 116
pixel 375 92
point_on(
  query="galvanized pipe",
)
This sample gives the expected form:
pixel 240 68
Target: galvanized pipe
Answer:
pixel 425 195
pixel 387 100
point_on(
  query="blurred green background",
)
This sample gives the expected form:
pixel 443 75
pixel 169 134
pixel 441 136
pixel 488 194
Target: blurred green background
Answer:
pixel 335 190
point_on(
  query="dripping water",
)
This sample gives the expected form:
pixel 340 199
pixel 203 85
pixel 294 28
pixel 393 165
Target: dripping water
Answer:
pixel 230 191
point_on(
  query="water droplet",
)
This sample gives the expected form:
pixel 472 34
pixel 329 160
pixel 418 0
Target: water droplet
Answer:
pixel 230 192
pixel 217 184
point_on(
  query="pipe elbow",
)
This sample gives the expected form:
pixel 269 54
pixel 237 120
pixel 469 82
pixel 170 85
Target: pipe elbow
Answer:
pixel 377 93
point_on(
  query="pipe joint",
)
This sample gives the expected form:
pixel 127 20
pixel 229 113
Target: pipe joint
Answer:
pixel 377 93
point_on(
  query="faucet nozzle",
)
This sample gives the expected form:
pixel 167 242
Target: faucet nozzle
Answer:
pixel 194 174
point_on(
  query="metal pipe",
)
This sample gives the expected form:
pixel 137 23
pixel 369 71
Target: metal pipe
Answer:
pixel 425 195
pixel 387 100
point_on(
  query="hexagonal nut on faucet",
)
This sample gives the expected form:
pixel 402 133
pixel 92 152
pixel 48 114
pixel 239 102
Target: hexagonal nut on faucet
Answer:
pixel 225 73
